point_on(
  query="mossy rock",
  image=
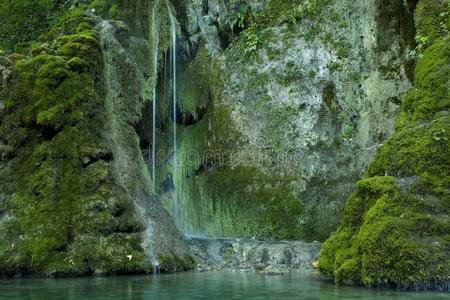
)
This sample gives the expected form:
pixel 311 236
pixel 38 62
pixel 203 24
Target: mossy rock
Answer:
pixel 173 263
pixel 194 86
pixel 432 18
pixel 395 231
pixel 260 205
pixel 67 216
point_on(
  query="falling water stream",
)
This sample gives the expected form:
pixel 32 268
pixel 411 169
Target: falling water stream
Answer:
pixel 174 94
pixel 154 141
pixel 174 80
pixel 155 41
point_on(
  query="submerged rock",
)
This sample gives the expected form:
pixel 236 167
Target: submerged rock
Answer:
pixel 248 255
pixel 273 270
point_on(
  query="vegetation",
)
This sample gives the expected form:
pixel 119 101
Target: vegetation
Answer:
pixel 395 227
pixel 237 16
pixel 64 213
pixel 251 24
pixel 25 20
pixel 255 201
pixel 194 86
pixel 433 22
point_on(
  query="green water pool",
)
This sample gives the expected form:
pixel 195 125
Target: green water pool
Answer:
pixel 193 285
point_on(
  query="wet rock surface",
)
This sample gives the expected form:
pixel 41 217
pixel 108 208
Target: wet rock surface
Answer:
pixel 251 255
pixel 305 110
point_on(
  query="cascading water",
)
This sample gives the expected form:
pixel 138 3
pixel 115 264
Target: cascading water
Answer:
pixel 165 74
pixel 154 141
pixel 174 94
pixel 174 80
pixel 155 41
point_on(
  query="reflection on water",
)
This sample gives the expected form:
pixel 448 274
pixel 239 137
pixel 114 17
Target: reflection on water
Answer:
pixel 218 285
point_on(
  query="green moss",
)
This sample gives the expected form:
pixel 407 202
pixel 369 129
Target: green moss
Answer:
pixel 329 95
pixel 367 192
pixel 22 48
pixel 258 204
pixel 228 254
pixel 102 7
pixel 417 152
pixel 113 11
pixel 24 21
pixel 38 49
pixel 194 85
pixel 280 11
pixel 76 21
pixel 231 198
pixel 384 241
pixel 68 216
pixel 83 46
pixel 78 65
pixel 420 142
pixel 432 22
pixel 16 57
pixel 395 227
pixel 174 263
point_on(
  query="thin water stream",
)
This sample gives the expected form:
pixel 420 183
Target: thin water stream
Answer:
pixel 154 141
pixel 173 31
pixel 155 41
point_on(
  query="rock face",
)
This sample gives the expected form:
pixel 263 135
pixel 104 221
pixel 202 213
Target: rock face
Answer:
pixel 127 60
pixel 75 195
pixel 281 106
pixel 395 230
pixel 248 255
pixel 280 125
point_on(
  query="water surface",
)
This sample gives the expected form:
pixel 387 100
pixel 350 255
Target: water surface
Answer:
pixel 192 285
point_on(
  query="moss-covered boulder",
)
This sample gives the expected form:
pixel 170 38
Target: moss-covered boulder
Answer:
pixel 65 208
pixel 395 230
pixel 64 212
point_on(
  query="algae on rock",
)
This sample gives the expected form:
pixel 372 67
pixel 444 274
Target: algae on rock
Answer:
pixel 290 106
pixel 395 230
pixel 74 188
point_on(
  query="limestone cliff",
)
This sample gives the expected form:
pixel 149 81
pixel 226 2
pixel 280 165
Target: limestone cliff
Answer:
pixel 279 107
pixel 395 231
pixel 283 111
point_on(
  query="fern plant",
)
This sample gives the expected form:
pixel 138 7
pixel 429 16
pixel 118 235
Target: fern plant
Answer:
pixel 237 16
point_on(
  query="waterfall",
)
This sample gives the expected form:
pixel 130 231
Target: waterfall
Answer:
pixel 165 74
pixel 154 140
pixel 155 42
pixel 174 92
pixel 174 80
